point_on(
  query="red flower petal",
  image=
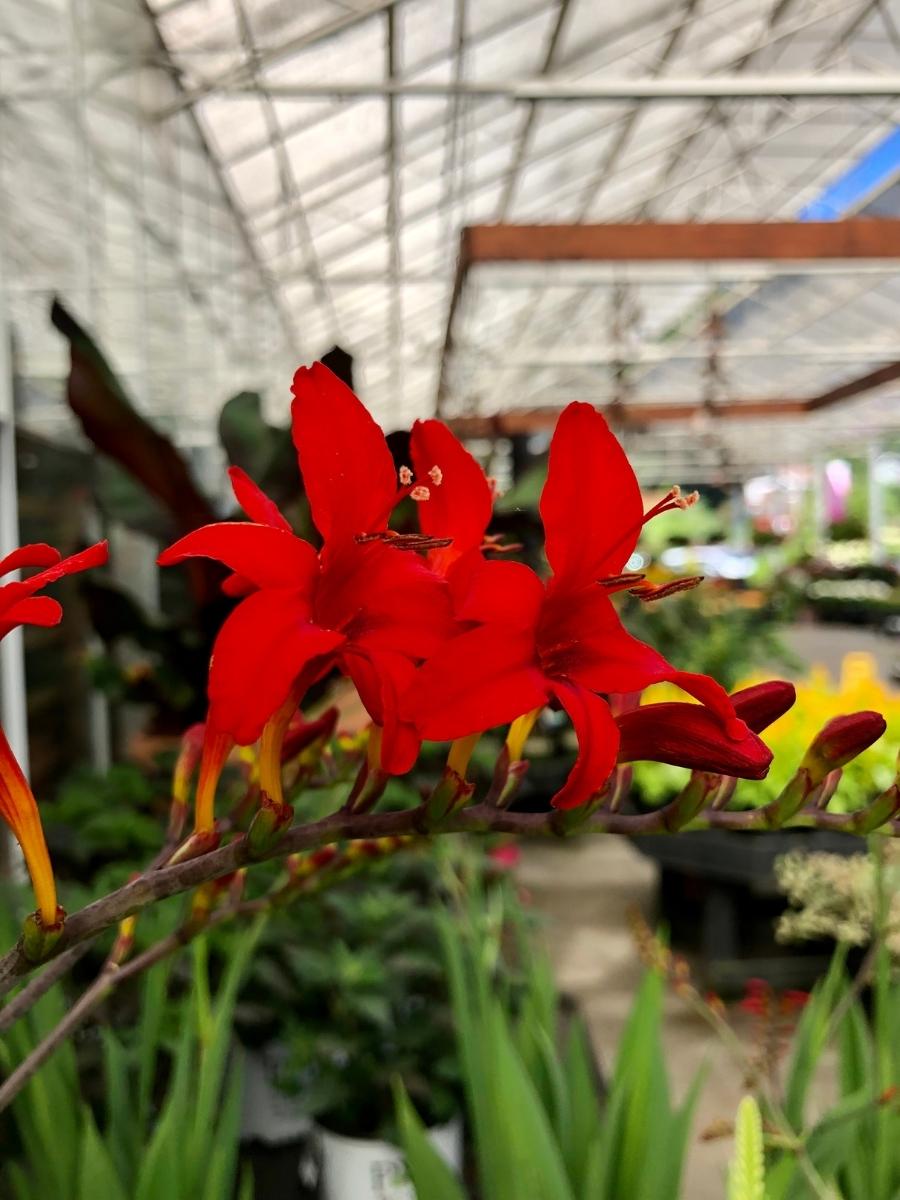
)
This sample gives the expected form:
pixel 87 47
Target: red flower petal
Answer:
pixel 93 556
pixel 497 591
pixel 347 469
pixel 591 504
pixel 267 557
pixel 598 744
pixel 33 610
pixel 237 585
pixel 382 679
pixel 38 554
pixel 254 501
pixel 259 652
pixel 582 639
pixel 384 598
pixel 712 695
pixel 460 505
pixel 689 735
pixel 482 678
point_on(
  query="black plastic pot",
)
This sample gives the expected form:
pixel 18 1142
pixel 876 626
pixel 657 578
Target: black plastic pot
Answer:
pixel 719 899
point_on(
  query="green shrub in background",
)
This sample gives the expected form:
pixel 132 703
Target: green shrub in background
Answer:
pixel 711 632
pixel 142 1141
pixel 362 980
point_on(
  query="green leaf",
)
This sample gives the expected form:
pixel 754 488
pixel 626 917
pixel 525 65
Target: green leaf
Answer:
pixel 122 1131
pixel 810 1039
pixel 153 1006
pixel 21 1184
pixel 222 1163
pixel 159 1176
pixel 429 1174
pixel 746 1176
pixel 246 1190
pixel 97 1175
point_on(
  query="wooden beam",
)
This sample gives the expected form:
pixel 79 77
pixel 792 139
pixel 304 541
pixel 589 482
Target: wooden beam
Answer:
pixel 860 237
pixel 863 383
pixel 537 420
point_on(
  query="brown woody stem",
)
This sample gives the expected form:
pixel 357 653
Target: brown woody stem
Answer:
pixel 342 826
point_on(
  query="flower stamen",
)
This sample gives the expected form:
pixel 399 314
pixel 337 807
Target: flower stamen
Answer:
pixel 420 493
pixel 673 499
pixel 436 475
pixel 646 591
pixel 406 476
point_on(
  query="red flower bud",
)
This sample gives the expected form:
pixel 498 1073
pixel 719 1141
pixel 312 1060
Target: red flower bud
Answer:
pixel 689 735
pixel 841 740
pixel 301 734
pixel 764 703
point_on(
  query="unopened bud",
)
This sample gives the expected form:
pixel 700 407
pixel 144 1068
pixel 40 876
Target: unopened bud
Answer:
pixel 302 734
pixel 840 741
pixel 187 763
pixel 764 703
pixel 324 857
pixel 124 942
pixel 689 735
pixel 367 790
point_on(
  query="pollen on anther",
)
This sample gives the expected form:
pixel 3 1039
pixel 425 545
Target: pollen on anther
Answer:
pixel 420 493
pixel 436 475
pixel 406 476
pixel 687 501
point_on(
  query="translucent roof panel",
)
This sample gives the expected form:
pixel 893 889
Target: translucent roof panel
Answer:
pixel 266 179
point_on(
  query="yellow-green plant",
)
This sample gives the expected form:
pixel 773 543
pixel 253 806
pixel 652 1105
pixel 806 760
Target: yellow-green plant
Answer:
pixel 746 1175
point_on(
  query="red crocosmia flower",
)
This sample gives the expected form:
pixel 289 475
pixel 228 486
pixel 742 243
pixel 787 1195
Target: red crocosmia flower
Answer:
pixel 20 605
pixel 369 609
pixel 562 639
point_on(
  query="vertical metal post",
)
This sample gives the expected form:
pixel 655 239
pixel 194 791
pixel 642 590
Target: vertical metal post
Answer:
pixel 820 511
pixel 875 504
pixel 13 713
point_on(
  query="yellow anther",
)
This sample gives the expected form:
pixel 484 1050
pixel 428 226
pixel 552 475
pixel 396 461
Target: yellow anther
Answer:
pixel 406 476
pixel 420 493
pixel 436 475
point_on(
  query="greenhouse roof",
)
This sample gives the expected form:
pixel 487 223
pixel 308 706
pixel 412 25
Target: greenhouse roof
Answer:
pixel 301 174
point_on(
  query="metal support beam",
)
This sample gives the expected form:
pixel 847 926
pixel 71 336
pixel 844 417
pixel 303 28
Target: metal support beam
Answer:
pixel 277 53
pixel 824 86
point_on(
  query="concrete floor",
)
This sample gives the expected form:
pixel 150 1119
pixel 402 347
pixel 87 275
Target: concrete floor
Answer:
pixel 585 889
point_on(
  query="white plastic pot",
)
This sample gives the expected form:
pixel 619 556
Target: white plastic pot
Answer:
pixel 366 1169
pixel 268 1114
